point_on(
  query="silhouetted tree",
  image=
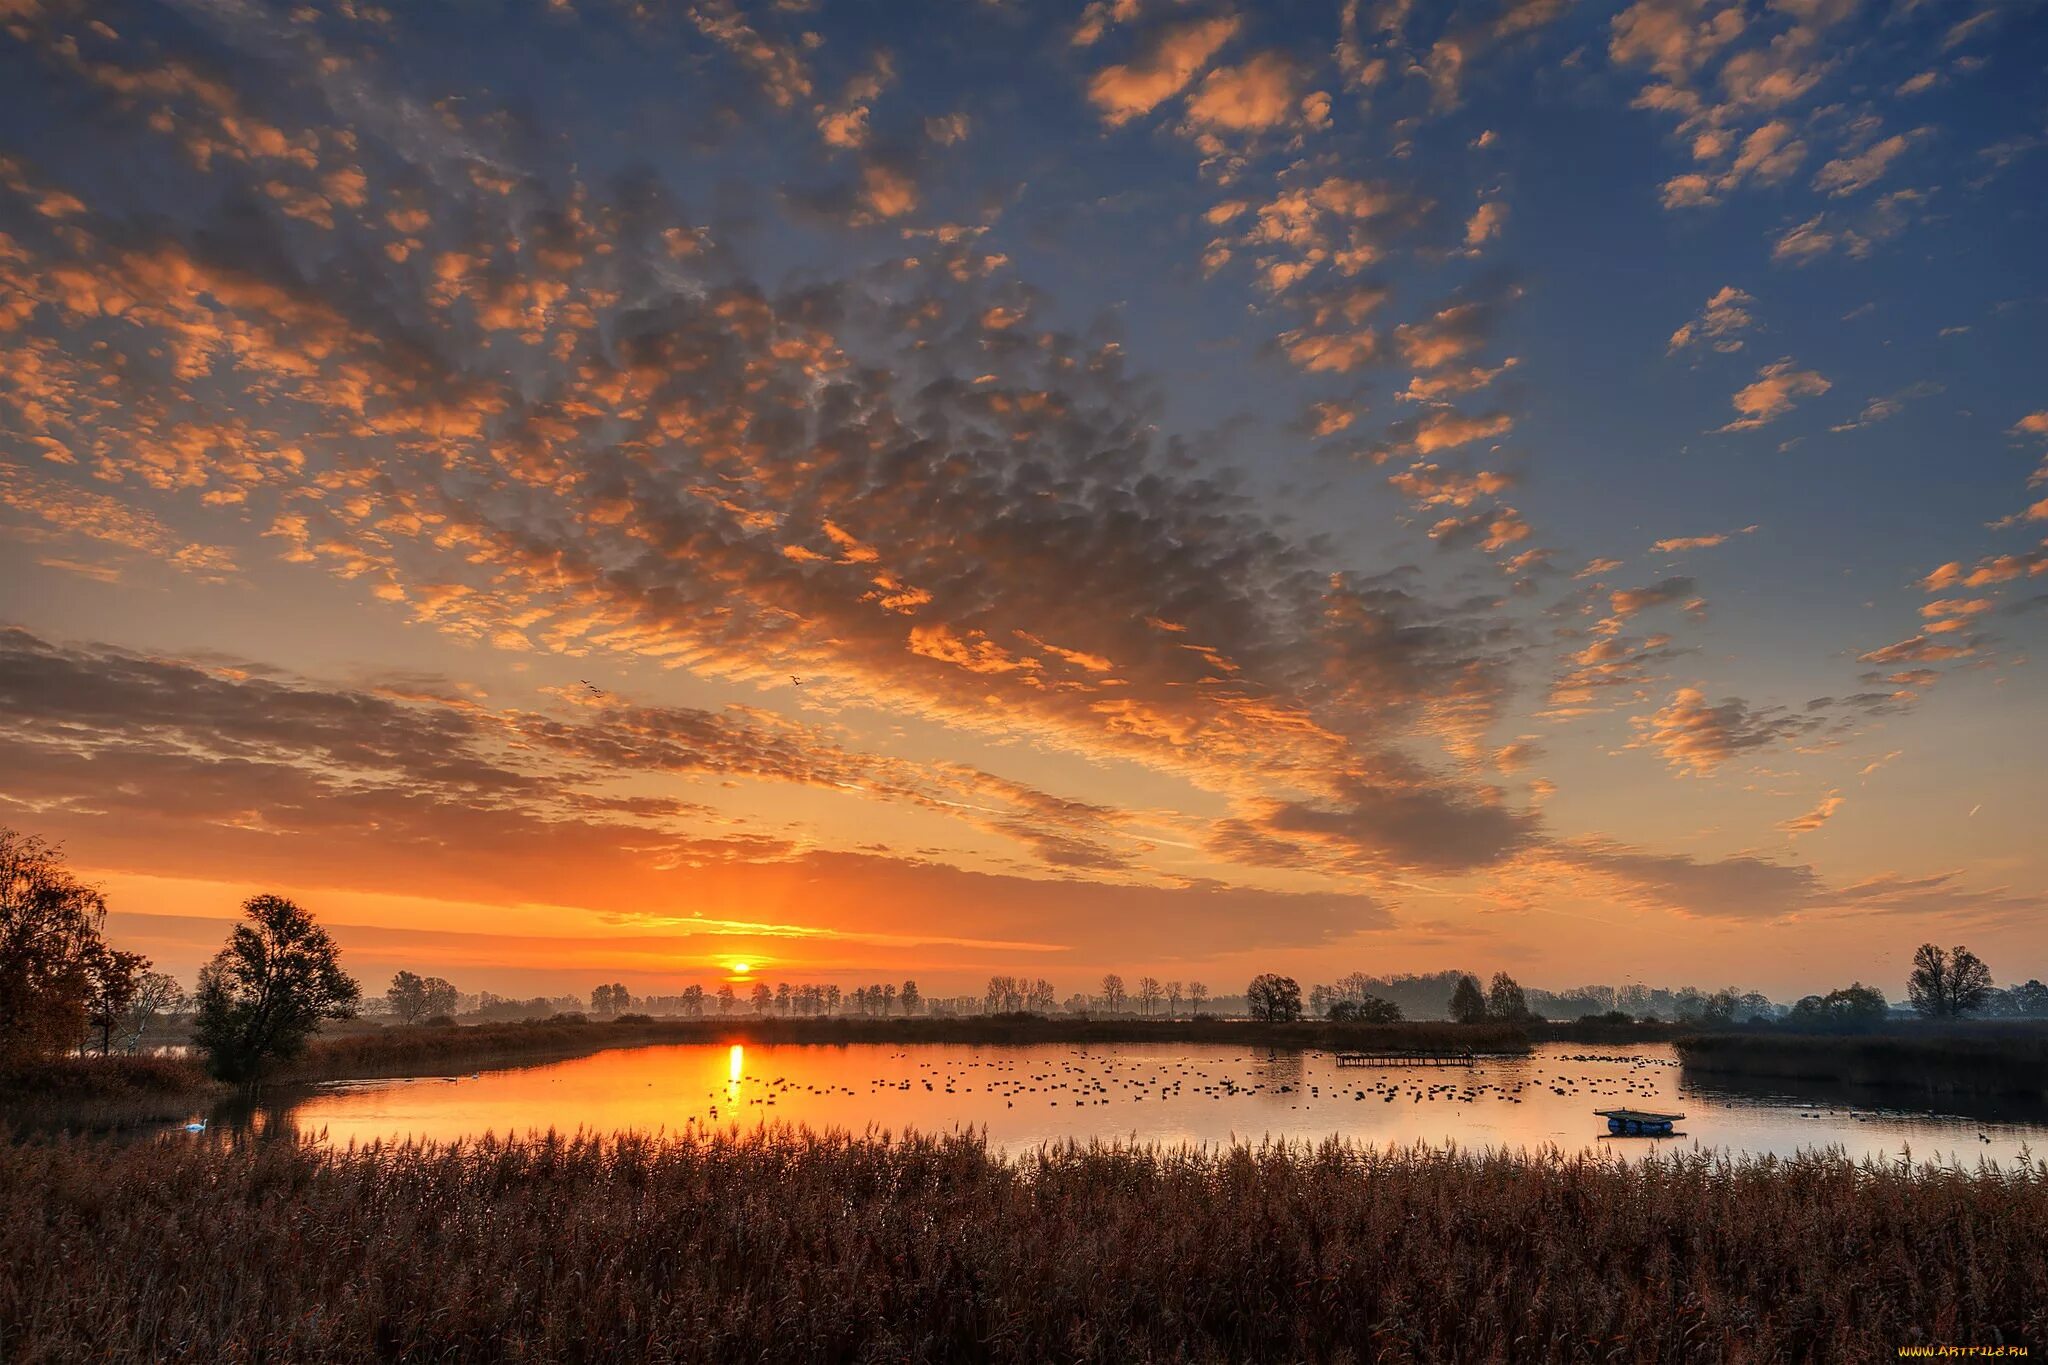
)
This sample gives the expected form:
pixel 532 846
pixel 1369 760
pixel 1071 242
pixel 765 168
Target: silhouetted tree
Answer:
pixel 1370 1010
pixel 1112 993
pixel 1175 993
pixel 1505 1000
pixel 1149 993
pixel 440 997
pixel 762 997
pixel 726 1000
pixel 112 980
pixel 49 922
pixel 156 995
pixel 1855 1006
pixel 1273 998
pixel 1467 1005
pixel 911 998
pixel 266 992
pixel 1947 986
pixel 408 997
pixel 1198 995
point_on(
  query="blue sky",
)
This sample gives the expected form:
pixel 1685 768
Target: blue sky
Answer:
pixel 1342 484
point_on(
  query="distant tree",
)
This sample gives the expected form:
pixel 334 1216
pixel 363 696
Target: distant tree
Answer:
pixel 693 1001
pixel 1505 1000
pixel 1272 998
pixel 782 999
pixel 763 996
pixel 831 1000
pixel 1370 1010
pixel 1467 1005
pixel 1198 994
pixel 1175 993
pixel 1149 993
pixel 2029 999
pixel 439 997
pixel 266 992
pixel 726 1002
pixel 1113 993
pixel 408 997
pixel 1320 998
pixel 156 995
pixel 49 921
pixel 112 980
pixel 910 997
pixel 1855 1006
pixel 1040 997
pixel 1947 986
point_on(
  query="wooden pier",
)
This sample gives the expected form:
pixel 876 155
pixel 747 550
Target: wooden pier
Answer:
pixel 1406 1057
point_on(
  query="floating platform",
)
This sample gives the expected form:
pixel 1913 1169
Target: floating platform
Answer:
pixel 1639 1122
pixel 1406 1057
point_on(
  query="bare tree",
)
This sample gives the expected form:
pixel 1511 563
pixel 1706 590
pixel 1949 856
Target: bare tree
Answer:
pixel 1113 993
pixel 112 979
pixel 1149 993
pixel 1198 994
pixel 156 994
pixel 1947 986
pixel 1175 993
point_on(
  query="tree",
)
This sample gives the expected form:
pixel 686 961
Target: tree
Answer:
pixel 911 998
pixel 408 997
pixel 1855 1006
pixel 49 921
pixel 1468 1006
pixel 2029 999
pixel 1505 999
pixel 266 992
pixel 1112 993
pixel 1945 986
pixel 112 980
pixel 156 994
pixel 1175 993
pixel 1274 999
pixel 1370 1010
pixel 1149 993
pixel 693 1001
pixel 763 997
pixel 440 997
pixel 725 999
pixel 1198 994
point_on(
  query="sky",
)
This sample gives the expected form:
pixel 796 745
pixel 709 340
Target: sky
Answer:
pixel 575 490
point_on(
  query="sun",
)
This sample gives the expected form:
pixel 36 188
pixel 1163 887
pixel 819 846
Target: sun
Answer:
pixel 741 968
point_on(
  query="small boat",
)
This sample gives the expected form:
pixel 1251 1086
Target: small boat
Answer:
pixel 1638 1122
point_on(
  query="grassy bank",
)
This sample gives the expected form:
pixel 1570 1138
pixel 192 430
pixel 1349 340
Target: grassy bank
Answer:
pixel 788 1246
pixel 404 1051
pixel 1987 1059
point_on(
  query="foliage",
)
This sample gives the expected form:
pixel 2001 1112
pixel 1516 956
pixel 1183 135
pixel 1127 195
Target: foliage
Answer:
pixel 1273 999
pixel 1505 1002
pixel 49 930
pixel 415 998
pixel 1467 1005
pixel 266 992
pixel 789 1245
pixel 1952 1059
pixel 1370 1010
pixel 1853 1007
pixel 1947 986
pixel 112 980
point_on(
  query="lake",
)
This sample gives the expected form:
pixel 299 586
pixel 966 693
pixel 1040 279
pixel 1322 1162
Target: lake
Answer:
pixel 1024 1096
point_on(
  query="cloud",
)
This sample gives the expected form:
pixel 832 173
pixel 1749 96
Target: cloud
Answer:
pixel 1162 70
pixel 1720 324
pixel 1679 544
pixel 1851 174
pixel 1696 737
pixel 1813 819
pixel 1258 95
pixel 1778 385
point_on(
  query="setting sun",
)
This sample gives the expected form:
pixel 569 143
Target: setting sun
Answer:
pixel 740 969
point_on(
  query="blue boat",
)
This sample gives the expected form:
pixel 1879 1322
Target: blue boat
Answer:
pixel 1638 1122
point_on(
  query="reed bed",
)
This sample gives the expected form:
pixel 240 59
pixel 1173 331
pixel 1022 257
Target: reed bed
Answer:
pixel 789 1245
pixel 1984 1059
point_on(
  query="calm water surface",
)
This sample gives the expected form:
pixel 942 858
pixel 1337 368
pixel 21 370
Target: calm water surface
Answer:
pixel 1024 1096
